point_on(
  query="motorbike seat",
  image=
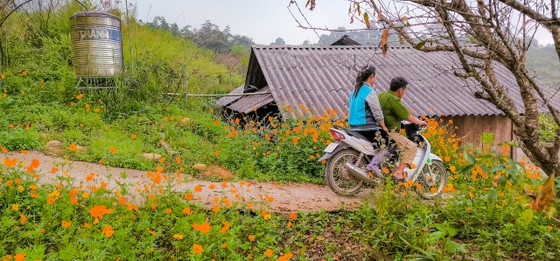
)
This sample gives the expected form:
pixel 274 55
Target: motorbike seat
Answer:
pixel 356 134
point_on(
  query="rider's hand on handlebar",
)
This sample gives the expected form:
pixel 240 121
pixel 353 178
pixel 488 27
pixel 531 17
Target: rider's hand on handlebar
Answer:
pixel 422 124
pixel 385 129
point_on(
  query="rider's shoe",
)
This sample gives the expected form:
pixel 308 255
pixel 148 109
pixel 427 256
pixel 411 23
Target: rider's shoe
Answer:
pixel 375 168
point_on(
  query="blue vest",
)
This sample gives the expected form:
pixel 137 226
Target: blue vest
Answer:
pixel 360 113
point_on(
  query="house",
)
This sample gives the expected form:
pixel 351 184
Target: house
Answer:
pixel 321 77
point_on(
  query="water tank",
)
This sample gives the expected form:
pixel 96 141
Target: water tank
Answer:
pixel 96 44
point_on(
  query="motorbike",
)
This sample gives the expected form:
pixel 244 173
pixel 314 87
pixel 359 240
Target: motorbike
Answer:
pixel 348 156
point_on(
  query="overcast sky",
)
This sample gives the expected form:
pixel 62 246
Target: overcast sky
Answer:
pixel 262 20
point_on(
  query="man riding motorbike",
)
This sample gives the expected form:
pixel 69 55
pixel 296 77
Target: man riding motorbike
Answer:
pixel 394 112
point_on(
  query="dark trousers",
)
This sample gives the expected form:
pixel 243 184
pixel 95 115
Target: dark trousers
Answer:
pixel 379 138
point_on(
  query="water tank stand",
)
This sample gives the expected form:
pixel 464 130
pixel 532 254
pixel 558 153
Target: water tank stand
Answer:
pixel 92 83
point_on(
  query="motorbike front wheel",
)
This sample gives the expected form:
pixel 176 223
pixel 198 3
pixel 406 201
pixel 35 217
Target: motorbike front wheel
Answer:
pixel 337 175
pixel 432 179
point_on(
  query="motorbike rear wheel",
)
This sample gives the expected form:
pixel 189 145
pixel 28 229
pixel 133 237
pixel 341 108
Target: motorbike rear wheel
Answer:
pixel 337 175
pixel 432 180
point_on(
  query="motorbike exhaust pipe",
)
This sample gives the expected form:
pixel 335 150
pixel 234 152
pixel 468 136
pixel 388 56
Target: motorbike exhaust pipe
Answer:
pixel 358 173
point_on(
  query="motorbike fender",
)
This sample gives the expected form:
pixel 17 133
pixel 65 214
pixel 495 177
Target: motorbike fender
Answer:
pixel 432 158
pixel 341 146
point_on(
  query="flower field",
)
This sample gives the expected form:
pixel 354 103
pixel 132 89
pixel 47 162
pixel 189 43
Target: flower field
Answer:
pixel 493 208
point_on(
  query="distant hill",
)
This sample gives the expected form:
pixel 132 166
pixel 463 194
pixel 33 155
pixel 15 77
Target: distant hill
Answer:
pixel 544 63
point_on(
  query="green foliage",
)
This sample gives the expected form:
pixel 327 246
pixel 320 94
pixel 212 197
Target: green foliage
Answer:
pixel 547 128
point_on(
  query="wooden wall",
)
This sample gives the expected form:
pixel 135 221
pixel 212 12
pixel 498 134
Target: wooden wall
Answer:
pixel 470 128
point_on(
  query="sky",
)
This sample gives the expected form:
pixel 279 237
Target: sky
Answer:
pixel 261 20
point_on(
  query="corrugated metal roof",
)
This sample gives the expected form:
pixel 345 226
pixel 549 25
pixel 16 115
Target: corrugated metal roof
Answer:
pixel 322 77
pixel 226 100
pixel 247 104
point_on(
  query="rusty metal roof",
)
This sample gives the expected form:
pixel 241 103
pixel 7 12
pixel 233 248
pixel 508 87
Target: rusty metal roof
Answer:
pixel 319 78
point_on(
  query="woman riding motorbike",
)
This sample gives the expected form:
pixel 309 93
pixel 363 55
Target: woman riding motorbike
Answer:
pixel 365 115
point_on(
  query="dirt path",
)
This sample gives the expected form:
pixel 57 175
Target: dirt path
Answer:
pixel 281 198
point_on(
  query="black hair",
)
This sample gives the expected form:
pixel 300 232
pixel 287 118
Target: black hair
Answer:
pixel 363 75
pixel 397 83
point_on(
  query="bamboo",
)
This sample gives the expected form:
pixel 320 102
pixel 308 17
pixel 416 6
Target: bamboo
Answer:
pixel 218 95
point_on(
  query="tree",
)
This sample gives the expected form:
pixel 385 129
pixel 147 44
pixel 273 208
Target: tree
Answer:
pixel 503 30
pixel 210 36
pixel 245 41
pixel 279 41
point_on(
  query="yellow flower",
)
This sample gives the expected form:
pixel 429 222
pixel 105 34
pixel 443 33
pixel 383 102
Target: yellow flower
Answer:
pixel 178 236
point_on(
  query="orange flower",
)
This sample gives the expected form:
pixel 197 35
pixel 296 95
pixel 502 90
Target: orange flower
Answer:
pixel 178 236
pixel 187 211
pixel 178 160
pixel 113 150
pixel 19 257
pixel 4 149
pixel 268 252
pixel 153 233
pixel 269 198
pixel 3 76
pixel 189 196
pixel 73 147
pixel 251 238
pixel 108 230
pixel 54 170
pixel 15 207
pixel 81 95
pixel 224 245
pixel 34 164
pixel 99 211
pixel 197 188
pixel 24 73
pixel 295 140
pixel 203 228
pixel 168 211
pixel 225 227
pixel 197 249
pixel 293 216
pixel 22 219
pixel 10 163
pixel 133 136
pixel 66 224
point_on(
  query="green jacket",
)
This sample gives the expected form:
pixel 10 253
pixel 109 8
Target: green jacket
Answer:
pixel 393 110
